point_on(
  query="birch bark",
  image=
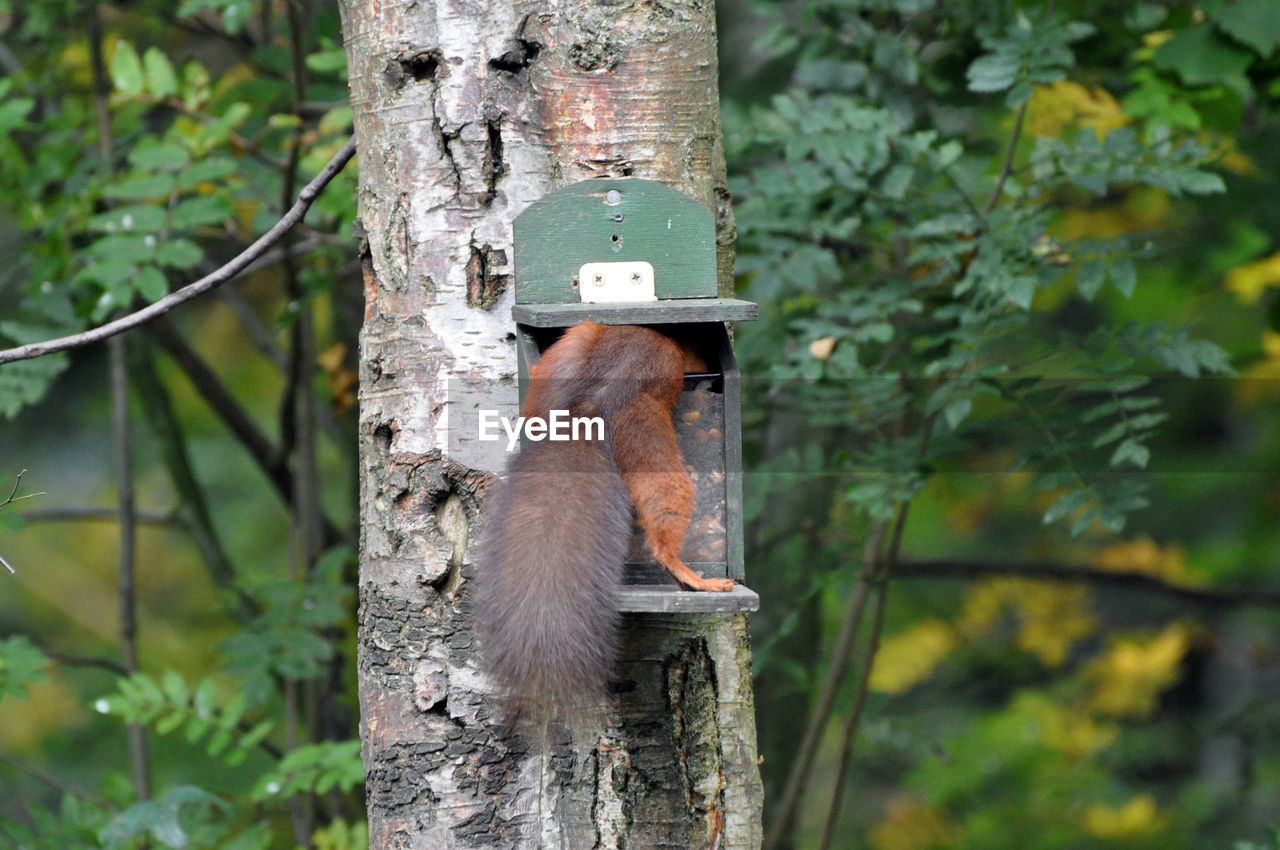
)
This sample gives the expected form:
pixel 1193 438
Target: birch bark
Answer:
pixel 466 111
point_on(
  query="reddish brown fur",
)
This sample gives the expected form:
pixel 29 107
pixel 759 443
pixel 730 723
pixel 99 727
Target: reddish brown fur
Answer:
pixel 633 377
pixel 555 540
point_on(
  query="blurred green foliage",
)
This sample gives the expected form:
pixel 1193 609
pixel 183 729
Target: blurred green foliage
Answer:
pixel 141 146
pixel 1018 297
pixel 1020 293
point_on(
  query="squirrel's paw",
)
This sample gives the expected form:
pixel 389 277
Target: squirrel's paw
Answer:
pixel 715 585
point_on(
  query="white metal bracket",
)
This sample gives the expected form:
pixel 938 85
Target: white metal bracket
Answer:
pixel 616 282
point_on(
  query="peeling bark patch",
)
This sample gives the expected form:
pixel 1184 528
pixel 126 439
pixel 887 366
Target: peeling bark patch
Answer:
pixel 494 166
pixel 609 166
pixel 518 58
pixel 484 285
pixel 396 778
pixel 524 50
pixel 445 139
pixel 383 434
pixel 610 812
pixel 420 67
pixel 454 522
pixel 433 756
pixel 691 695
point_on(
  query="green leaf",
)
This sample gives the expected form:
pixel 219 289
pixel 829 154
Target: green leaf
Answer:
pixel 1132 451
pixel 161 818
pixel 151 283
pixel 127 248
pixel 1201 57
pixel 1090 277
pixel 126 70
pixel 170 721
pixel 26 382
pixel 201 210
pixel 1085 520
pixel 161 79
pixel 13 113
pixel 162 156
pixel 143 187
pixel 136 218
pixel 336 120
pixel 22 663
pixel 204 699
pixel 1066 504
pixel 1124 277
pixel 1255 23
pixel 211 169
pixel 109 273
pixel 179 254
pixel 328 61
pixel 955 412
pixel 1198 182
pixel 993 72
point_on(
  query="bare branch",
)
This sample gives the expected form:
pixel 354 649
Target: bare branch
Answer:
pixel 837 669
pixel 1057 571
pixel 1007 168
pixel 108 664
pixel 92 513
pixel 13 494
pixel 14 497
pixel 54 781
pixel 210 281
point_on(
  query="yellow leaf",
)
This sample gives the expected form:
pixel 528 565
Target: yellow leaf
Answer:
pixel 820 349
pixel 982 607
pixel 1131 675
pixel 908 658
pixel 1050 618
pixel 1144 555
pixel 246 211
pixel 1135 818
pixel 1249 280
pixel 1141 209
pixel 1068 104
pixel 1065 727
pixel 1053 618
pixel 909 824
pixel 1262 380
pixel 50 709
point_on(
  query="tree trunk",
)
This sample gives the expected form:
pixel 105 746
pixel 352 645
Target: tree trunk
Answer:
pixel 466 113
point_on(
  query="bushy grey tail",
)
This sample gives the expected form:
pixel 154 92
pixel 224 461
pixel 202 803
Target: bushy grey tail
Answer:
pixel 556 533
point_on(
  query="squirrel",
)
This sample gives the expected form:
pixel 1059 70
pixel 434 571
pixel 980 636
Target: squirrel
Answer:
pixel 557 529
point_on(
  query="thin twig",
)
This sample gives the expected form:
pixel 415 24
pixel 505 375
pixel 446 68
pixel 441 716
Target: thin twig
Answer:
pixel 258 332
pixel 224 404
pixel 880 581
pixel 122 444
pixel 108 664
pixel 855 715
pixel 837 669
pixel 13 494
pixel 158 408
pixel 1007 168
pixel 1062 572
pixel 297 428
pixel 267 456
pixel 99 514
pixel 54 781
pixel 210 281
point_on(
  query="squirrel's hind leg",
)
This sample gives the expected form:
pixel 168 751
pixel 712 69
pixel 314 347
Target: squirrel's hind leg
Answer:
pixel 648 456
